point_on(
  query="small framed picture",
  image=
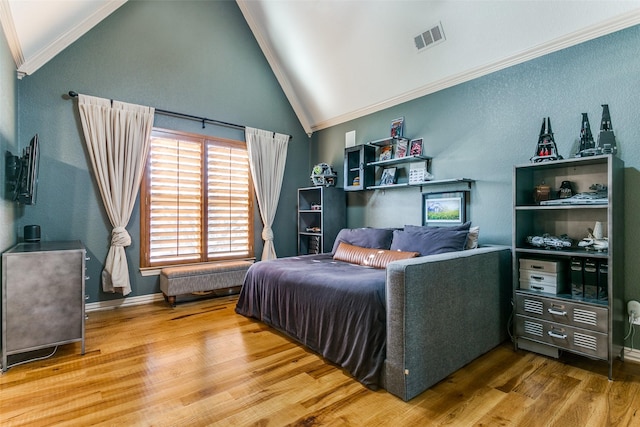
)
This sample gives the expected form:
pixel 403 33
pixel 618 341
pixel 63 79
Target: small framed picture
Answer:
pixel 415 147
pixel 388 176
pixel 386 153
pixel 397 127
pixel 444 208
pixel 402 146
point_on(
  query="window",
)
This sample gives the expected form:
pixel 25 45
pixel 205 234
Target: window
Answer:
pixel 196 200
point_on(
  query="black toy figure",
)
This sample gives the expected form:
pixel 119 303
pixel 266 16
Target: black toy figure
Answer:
pixel 546 149
pixel 587 144
pixel 606 138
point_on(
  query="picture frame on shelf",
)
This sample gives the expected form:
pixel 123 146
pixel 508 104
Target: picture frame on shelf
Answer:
pixel 388 176
pixel 402 146
pixel 415 147
pixel 386 153
pixel 397 127
pixel 444 208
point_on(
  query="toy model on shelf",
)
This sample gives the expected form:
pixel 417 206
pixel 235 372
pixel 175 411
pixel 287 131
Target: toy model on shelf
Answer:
pixel 606 138
pixel 546 148
pixel 587 144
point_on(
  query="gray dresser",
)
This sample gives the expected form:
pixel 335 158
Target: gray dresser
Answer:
pixel 43 297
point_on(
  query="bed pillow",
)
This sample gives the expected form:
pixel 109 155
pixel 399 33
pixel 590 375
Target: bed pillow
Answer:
pixel 379 238
pixel 472 238
pixel 369 257
pixel 429 242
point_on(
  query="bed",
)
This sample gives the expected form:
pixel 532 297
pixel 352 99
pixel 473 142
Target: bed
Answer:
pixel 388 327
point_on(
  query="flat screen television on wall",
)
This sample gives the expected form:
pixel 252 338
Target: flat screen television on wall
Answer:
pixel 22 173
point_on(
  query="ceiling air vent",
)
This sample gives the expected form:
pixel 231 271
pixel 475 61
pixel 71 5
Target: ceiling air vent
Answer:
pixel 429 38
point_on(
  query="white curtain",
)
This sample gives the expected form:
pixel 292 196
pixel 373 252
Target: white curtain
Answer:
pixel 267 158
pixel 117 138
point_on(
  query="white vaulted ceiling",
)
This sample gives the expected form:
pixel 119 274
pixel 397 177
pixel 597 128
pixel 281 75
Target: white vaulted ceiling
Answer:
pixel 337 60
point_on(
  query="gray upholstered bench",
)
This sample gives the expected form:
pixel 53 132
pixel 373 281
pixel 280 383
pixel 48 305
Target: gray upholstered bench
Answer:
pixel 189 279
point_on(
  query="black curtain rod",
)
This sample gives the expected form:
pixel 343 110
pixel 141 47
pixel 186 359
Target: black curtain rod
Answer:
pixel 203 120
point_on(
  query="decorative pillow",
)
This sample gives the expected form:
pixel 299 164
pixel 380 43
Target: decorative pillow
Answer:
pixel 472 238
pixel 379 238
pixel 369 257
pixel 429 242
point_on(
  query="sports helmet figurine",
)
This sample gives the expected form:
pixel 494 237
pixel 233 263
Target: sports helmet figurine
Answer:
pixel 323 175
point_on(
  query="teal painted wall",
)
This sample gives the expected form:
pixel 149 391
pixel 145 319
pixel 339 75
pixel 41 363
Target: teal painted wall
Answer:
pixel 481 128
pixel 192 57
pixel 8 139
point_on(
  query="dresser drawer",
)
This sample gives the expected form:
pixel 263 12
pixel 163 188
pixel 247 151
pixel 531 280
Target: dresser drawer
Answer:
pixel 544 282
pixel 542 266
pixel 563 311
pixel 577 340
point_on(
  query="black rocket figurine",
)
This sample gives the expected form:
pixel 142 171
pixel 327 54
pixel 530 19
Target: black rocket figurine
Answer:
pixel 606 138
pixel 587 144
pixel 546 148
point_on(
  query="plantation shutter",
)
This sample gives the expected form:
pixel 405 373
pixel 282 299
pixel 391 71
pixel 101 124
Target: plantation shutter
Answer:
pixel 198 200
pixel 229 204
pixel 175 231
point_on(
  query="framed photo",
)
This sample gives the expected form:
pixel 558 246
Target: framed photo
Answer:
pixel 402 147
pixel 386 153
pixel 444 208
pixel 397 127
pixel 388 176
pixel 415 147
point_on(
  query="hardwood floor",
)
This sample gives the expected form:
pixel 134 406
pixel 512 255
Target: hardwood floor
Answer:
pixel 201 364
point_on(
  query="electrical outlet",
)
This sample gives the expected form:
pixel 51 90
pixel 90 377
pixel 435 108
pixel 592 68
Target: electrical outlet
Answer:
pixel 633 309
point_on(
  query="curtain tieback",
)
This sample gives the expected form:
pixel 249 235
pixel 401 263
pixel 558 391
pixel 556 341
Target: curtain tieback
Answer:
pixel 120 237
pixel 267 233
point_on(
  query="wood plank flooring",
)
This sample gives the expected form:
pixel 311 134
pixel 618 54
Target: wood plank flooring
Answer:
pixel 201 364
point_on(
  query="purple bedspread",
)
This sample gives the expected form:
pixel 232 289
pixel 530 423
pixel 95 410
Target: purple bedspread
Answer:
pixel 334 308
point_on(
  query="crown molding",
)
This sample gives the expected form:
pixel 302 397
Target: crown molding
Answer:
pixel 618 23
pixel 6 20
pixel 41 57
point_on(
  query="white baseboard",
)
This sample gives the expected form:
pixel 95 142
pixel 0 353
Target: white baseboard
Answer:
pixel 123 302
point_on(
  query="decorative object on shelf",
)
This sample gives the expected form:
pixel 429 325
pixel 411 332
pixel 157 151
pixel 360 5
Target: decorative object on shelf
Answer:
pixel 313 229
pixel 323 175
pixel 397 127
pixel 388 176
pixel 401 148
pixel 587 145
pixel 548 241
pixel 546 148
pixel 356 181
pixel 541 193
pixel 598 233
pixel 444 208
pixel 606 138
pixel 595 239
pixel 418 173
pixel 415 147
pixel 316 207
pixel 566 190
pixel 386 153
